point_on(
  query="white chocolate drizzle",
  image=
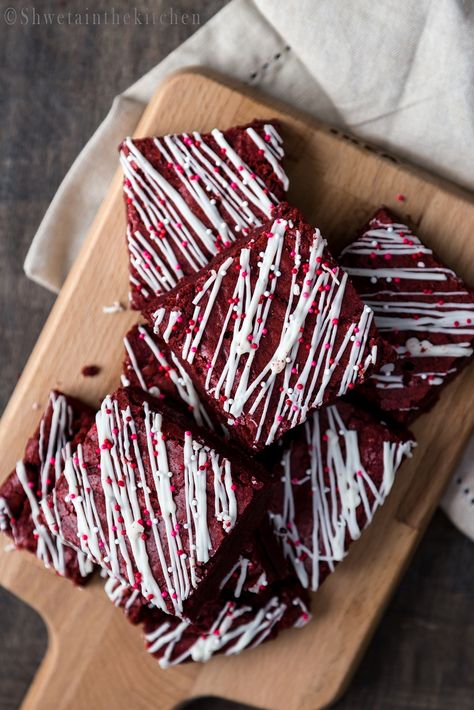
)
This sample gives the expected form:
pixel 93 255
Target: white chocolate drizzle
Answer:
pixel 334 504
pixel 123 539
pixel 52 451
pixel 226 191
pixel 236 628
pixel 301 377
pixel 436 323
pixel 185 389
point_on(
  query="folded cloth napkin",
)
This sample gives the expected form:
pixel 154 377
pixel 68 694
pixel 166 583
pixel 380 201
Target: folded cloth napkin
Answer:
pixel 393 72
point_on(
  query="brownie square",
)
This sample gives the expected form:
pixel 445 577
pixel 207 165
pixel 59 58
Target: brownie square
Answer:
pixel 421 308
pixel 63 424
pixel 270 330
pixel 190 195
pixel 157 502
pixel 335 471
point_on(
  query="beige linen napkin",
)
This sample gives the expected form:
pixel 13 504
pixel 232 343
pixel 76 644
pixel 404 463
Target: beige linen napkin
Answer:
pixel 394 72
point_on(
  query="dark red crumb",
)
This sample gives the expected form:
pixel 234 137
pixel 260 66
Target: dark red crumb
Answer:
pixel 90 370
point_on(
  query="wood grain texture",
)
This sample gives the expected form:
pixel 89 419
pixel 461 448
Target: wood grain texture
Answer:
pixel 337 183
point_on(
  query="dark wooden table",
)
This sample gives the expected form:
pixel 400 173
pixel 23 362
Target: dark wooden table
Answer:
pixel 57 82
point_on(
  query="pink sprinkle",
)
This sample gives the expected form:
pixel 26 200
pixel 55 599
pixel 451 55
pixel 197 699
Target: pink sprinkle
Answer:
pixel 357 343
pixel 327 345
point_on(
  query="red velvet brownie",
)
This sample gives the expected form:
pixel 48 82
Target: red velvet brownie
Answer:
pixel 190 195
pixel 157 502
pixel 259 565
pixel 150 365
pixel 252 607
pixel 336 470
pixel 421 308
pixel 270 330
pixel 237 626
pixel 63 424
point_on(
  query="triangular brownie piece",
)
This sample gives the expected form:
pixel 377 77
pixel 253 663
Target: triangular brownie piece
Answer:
pixel 335 472
pixel 63 426
pixel 270 330
pixel 421 308
pixel 190 195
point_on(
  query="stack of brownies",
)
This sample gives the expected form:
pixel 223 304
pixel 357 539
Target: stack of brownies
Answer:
pixel 265 394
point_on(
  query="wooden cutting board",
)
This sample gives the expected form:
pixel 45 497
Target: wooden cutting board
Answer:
pixel 95 659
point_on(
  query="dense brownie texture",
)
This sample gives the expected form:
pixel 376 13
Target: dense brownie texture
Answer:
pixel 188 196
pixel 159 503
pixel 63 424
pixel 335 471
pixel 421 308
pixel 252 607
pixel 150 365
pixel 270 330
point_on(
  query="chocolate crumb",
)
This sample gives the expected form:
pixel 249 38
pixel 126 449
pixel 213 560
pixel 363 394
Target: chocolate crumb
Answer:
pixel 90 370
